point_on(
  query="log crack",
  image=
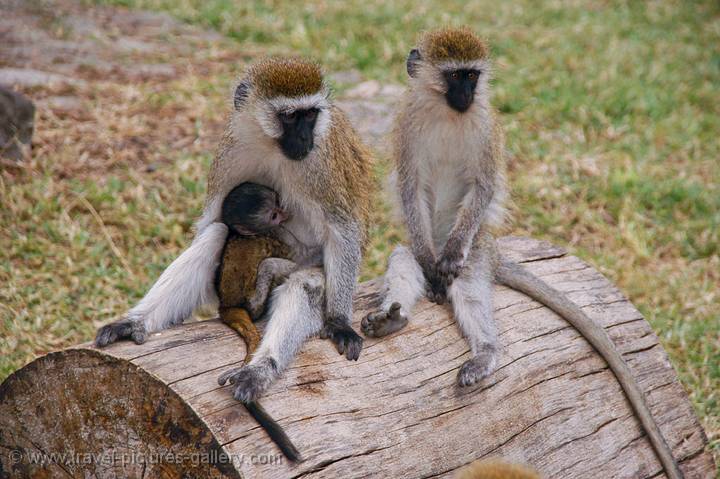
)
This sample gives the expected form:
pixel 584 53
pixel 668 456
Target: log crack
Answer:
pixel 322 465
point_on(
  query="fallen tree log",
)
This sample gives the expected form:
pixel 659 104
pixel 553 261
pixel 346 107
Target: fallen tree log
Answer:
pixel 156 410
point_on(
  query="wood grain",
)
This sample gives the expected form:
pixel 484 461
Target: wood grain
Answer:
pixel 552 403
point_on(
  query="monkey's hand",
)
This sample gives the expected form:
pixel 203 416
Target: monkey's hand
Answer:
pixel 122 329
pixel 434 287
pixel 449 265
pixel 347 341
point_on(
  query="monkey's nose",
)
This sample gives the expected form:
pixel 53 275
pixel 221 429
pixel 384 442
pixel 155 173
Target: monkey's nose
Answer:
pixel 282 215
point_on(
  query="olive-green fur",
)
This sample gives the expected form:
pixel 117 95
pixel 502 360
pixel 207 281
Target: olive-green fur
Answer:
pixel 351 164
pixel 289 77
pixel 453 44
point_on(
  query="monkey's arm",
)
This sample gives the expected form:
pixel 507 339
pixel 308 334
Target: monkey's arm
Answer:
pixel 301 253
pixel 516 277
pixel 468 221
pixel 417 222
pixel 184 285
pixel 271 272
pixel 341 258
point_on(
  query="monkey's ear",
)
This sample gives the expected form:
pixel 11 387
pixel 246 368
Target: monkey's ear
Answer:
pixel 241 94
pixel 412 61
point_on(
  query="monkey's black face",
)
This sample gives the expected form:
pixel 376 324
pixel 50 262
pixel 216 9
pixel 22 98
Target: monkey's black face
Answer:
pixel 297 138
pixel 461 88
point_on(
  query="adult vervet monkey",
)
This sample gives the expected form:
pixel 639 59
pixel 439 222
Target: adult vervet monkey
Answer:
pixel 284 133
pixel 449 154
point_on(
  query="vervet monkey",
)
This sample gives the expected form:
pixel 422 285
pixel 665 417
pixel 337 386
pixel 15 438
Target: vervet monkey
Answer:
pixel 252 262
pixel 449 154
pixel 284 133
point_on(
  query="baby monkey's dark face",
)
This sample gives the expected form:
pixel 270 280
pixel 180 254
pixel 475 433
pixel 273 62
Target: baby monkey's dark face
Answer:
pixel 251 209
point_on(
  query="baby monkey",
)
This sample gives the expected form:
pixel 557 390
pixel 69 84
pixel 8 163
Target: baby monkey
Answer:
pixel 254 260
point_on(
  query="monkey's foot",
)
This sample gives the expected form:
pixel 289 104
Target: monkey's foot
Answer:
pixel 382 323
pixel 346 340
pixel 250 381
pixel 478 367
pixel 122 329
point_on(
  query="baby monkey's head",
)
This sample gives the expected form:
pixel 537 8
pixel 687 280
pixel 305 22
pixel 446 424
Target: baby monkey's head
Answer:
pixel 251 209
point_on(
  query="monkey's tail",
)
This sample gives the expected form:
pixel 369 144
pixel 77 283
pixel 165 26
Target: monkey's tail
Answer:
pixel 276 433
pixel 516 277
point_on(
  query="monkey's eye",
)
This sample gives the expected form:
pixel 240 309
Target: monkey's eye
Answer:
pixel 454 75
pixel 288 117
pixel 274 216
pixel 472 76
pixel 311 114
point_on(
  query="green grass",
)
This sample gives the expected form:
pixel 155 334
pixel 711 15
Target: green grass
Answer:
pixel 612 114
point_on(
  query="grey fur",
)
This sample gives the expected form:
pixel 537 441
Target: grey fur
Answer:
pixel 448 243
pixel 516 277
pixel 412 60
pixel 404 284
pixel 342 262
pixel 468 222
pixel 325 228
pixel 481 365
pixel 296 313
pixel 427 133
pixel 271 272
pixel 383 323
pixel 252 380
pixel 241 94
pixel 122 329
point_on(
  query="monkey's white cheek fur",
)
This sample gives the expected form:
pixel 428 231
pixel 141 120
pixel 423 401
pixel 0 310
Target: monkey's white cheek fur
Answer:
pixel 268 110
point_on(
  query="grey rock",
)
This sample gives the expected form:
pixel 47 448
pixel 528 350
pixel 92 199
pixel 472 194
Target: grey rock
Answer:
pixel 27 77
pixel 392 90
pixel 370 106
pixel 125 44
pixel 372 120
pixel 346 77
pixel 61 103
pixel 366 90
pixel 150 70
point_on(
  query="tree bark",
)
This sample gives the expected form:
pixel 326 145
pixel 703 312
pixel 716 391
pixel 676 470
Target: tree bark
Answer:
pixel 397 412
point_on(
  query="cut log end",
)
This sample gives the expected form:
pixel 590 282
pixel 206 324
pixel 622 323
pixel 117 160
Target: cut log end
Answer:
pixel 83 410
pixel 156 410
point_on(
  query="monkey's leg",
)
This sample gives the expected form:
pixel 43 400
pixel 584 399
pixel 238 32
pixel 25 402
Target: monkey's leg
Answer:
pixel 404 283
pixel 239 320
pixel 296 313
pixel 471 298
pixel 186 284
pixel 272 271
